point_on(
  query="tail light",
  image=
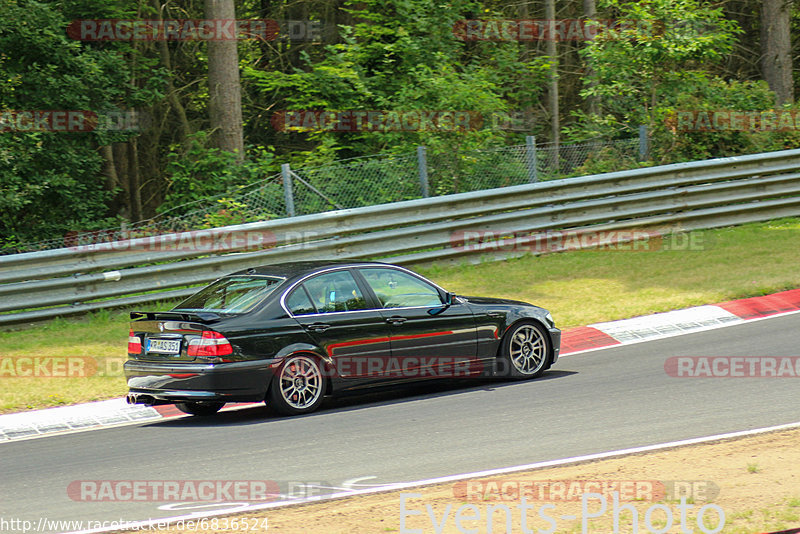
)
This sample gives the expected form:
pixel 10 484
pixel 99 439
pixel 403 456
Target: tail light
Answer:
pixel 134 344
pixel 211 346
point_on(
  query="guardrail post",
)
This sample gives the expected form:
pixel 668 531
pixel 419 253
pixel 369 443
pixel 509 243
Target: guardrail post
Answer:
pixel 422 165
pixel 288 195
pixel 644 146
pixel 530 158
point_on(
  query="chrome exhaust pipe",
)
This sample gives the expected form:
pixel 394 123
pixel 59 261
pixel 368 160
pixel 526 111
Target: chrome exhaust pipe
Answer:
pixel 137 398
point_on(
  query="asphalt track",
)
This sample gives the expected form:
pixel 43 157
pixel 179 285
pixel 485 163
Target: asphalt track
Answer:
pixel 592 402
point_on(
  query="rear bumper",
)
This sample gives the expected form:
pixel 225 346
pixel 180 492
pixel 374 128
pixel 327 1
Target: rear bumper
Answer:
pixel 156 383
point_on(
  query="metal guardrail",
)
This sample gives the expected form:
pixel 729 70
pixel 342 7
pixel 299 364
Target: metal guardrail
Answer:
pixel 370 180
pixel 684 196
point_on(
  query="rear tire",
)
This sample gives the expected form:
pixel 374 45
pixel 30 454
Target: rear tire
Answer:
pixel 525 352
pixel 202 408
pixel 298 386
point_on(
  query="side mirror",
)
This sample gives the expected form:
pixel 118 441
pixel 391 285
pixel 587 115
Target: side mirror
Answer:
pixel 448 301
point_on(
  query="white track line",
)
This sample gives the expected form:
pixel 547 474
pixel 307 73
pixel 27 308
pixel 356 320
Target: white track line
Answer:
pixel 139 525
pixel 675 334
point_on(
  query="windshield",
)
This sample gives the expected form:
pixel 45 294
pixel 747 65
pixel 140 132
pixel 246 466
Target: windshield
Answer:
pixel 233 294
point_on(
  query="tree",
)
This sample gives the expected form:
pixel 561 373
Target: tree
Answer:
pixel 776 49
pixel 52 181
pixel 589 12
pixel 224 90
pixel 552 95
pixel 404 55
pixel 638 70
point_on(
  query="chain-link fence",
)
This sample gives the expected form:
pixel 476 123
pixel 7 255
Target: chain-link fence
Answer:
pixel 369 181
pixel 356 182
pixel 460 172
pixel 372 180
pixel 256 202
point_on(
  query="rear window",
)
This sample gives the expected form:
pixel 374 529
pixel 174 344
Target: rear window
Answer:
pixel 233 294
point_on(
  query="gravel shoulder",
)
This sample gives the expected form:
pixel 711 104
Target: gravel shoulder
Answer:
pixel 754 482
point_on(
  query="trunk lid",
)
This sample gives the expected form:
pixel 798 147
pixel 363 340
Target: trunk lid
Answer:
pixel 165 336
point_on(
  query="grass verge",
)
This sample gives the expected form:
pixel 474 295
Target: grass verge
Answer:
pixel 579 288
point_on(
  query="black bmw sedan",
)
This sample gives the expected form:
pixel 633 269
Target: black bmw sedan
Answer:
pixel 292 333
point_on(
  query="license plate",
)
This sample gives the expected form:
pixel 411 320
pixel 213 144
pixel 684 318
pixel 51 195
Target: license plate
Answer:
pixel 164 346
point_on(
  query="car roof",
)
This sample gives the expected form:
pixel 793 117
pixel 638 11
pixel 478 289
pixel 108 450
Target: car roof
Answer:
pixel 291 269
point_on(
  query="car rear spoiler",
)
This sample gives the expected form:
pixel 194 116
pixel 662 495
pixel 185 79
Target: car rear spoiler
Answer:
pixel 201 317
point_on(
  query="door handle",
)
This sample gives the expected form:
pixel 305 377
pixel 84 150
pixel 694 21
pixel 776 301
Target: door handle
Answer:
pixel 396 320
pixel 318 327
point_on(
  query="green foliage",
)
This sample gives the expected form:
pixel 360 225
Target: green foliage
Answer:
pixel 402 55
pixel 608 159
pixel 202 172
pixel 660 66
pixel 702 92
pixel 386 55
pixel 48 185
pixel 50 182
pixel 637 66
pixel 231 211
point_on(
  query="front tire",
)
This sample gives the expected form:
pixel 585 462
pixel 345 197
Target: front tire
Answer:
pixel 525 351
pixel 205 408
pixel 298 387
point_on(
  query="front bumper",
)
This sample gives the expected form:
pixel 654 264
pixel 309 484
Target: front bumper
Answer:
pixel 167 383
pixel 555 338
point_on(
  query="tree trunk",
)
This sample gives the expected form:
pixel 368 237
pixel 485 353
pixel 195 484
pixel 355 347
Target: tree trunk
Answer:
pixel 172 95
pixel 776 49
pixel 225 99
pixel 120 155
pixel 589 12
pixel 134 181
pixel 552 53
pixel 117 205
pixel 109 168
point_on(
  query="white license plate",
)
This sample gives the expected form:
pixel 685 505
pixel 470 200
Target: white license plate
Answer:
pixel 165 346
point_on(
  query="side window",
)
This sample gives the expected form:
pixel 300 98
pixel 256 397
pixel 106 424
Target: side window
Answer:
pixel 298 302
pixel 398 289
pixel 335 292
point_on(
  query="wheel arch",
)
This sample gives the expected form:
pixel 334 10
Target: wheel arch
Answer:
pixel 528 320
pixel 326 364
